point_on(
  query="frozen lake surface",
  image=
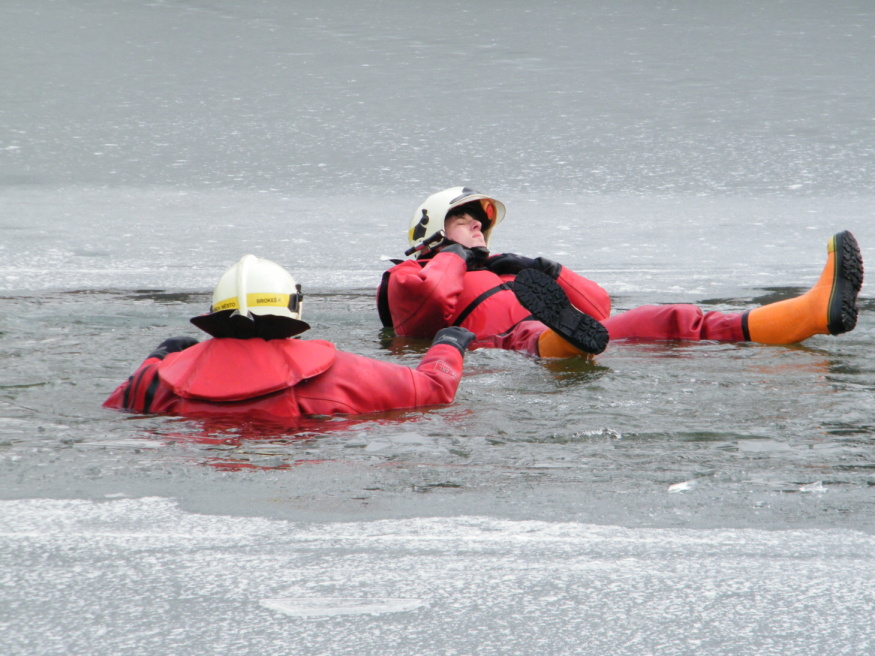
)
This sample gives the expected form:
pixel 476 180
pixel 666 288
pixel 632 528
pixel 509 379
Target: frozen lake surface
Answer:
pixel 671 498
pixel 140 576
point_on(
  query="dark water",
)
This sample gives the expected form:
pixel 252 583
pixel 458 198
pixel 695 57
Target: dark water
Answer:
pixel 670 498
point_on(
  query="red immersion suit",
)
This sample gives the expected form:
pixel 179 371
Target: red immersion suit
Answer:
pixel 424 296
pixel 282 380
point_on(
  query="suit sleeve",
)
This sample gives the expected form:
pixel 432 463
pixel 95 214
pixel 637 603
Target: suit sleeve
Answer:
pixel 357 384
pixel 584 294
pixel 422 299
pixel 137 392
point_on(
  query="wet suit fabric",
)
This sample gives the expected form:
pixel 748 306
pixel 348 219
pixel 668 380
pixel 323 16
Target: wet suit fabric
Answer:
pixel 283 379
pixel 425 296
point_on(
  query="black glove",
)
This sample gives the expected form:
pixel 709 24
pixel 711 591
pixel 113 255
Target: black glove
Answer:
pixel 454 336
pixel 452 247
pixel 172 345
pixel 513 264
pixel 474 257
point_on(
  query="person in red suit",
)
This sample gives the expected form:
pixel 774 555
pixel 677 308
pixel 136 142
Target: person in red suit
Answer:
pixel 253 369
pixel 540 307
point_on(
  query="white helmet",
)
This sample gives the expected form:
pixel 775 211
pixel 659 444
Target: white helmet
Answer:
pixel 255 298
pixel 429 217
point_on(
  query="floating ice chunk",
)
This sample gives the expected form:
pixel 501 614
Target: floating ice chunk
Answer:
pixel 378 444
pixel 817 486
pixel 403 443
pixel 684 486
pixel 332 606
pixel 133 442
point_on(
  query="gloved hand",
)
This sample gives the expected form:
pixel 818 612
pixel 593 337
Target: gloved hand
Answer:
pixel 474 257
pixel 454 336
pixel 172 345
pixel 453 247
pixel 513 264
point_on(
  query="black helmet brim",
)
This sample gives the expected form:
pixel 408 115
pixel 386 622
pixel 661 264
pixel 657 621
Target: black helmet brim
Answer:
pixel 230 323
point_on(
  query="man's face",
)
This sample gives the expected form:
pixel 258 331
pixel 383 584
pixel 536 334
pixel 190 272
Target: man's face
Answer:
pixel 465 229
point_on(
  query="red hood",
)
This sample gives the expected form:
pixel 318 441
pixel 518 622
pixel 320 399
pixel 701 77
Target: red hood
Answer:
pixel 224 369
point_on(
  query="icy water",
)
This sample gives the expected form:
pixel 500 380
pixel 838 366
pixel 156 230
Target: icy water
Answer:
pixel 670 498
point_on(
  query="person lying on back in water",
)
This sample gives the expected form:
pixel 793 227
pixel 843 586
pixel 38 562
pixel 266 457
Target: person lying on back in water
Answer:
pixel 252 369
pixel 540 307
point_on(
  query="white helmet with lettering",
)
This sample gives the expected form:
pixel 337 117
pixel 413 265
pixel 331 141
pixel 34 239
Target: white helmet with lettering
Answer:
pixel 255 298
pixel 429 217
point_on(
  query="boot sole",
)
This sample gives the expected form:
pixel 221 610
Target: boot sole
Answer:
pixel 848 280
pixel 548 303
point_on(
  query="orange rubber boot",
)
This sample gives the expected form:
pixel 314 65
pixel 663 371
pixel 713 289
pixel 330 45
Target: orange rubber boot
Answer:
pixel 830 307
pixel 551 345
